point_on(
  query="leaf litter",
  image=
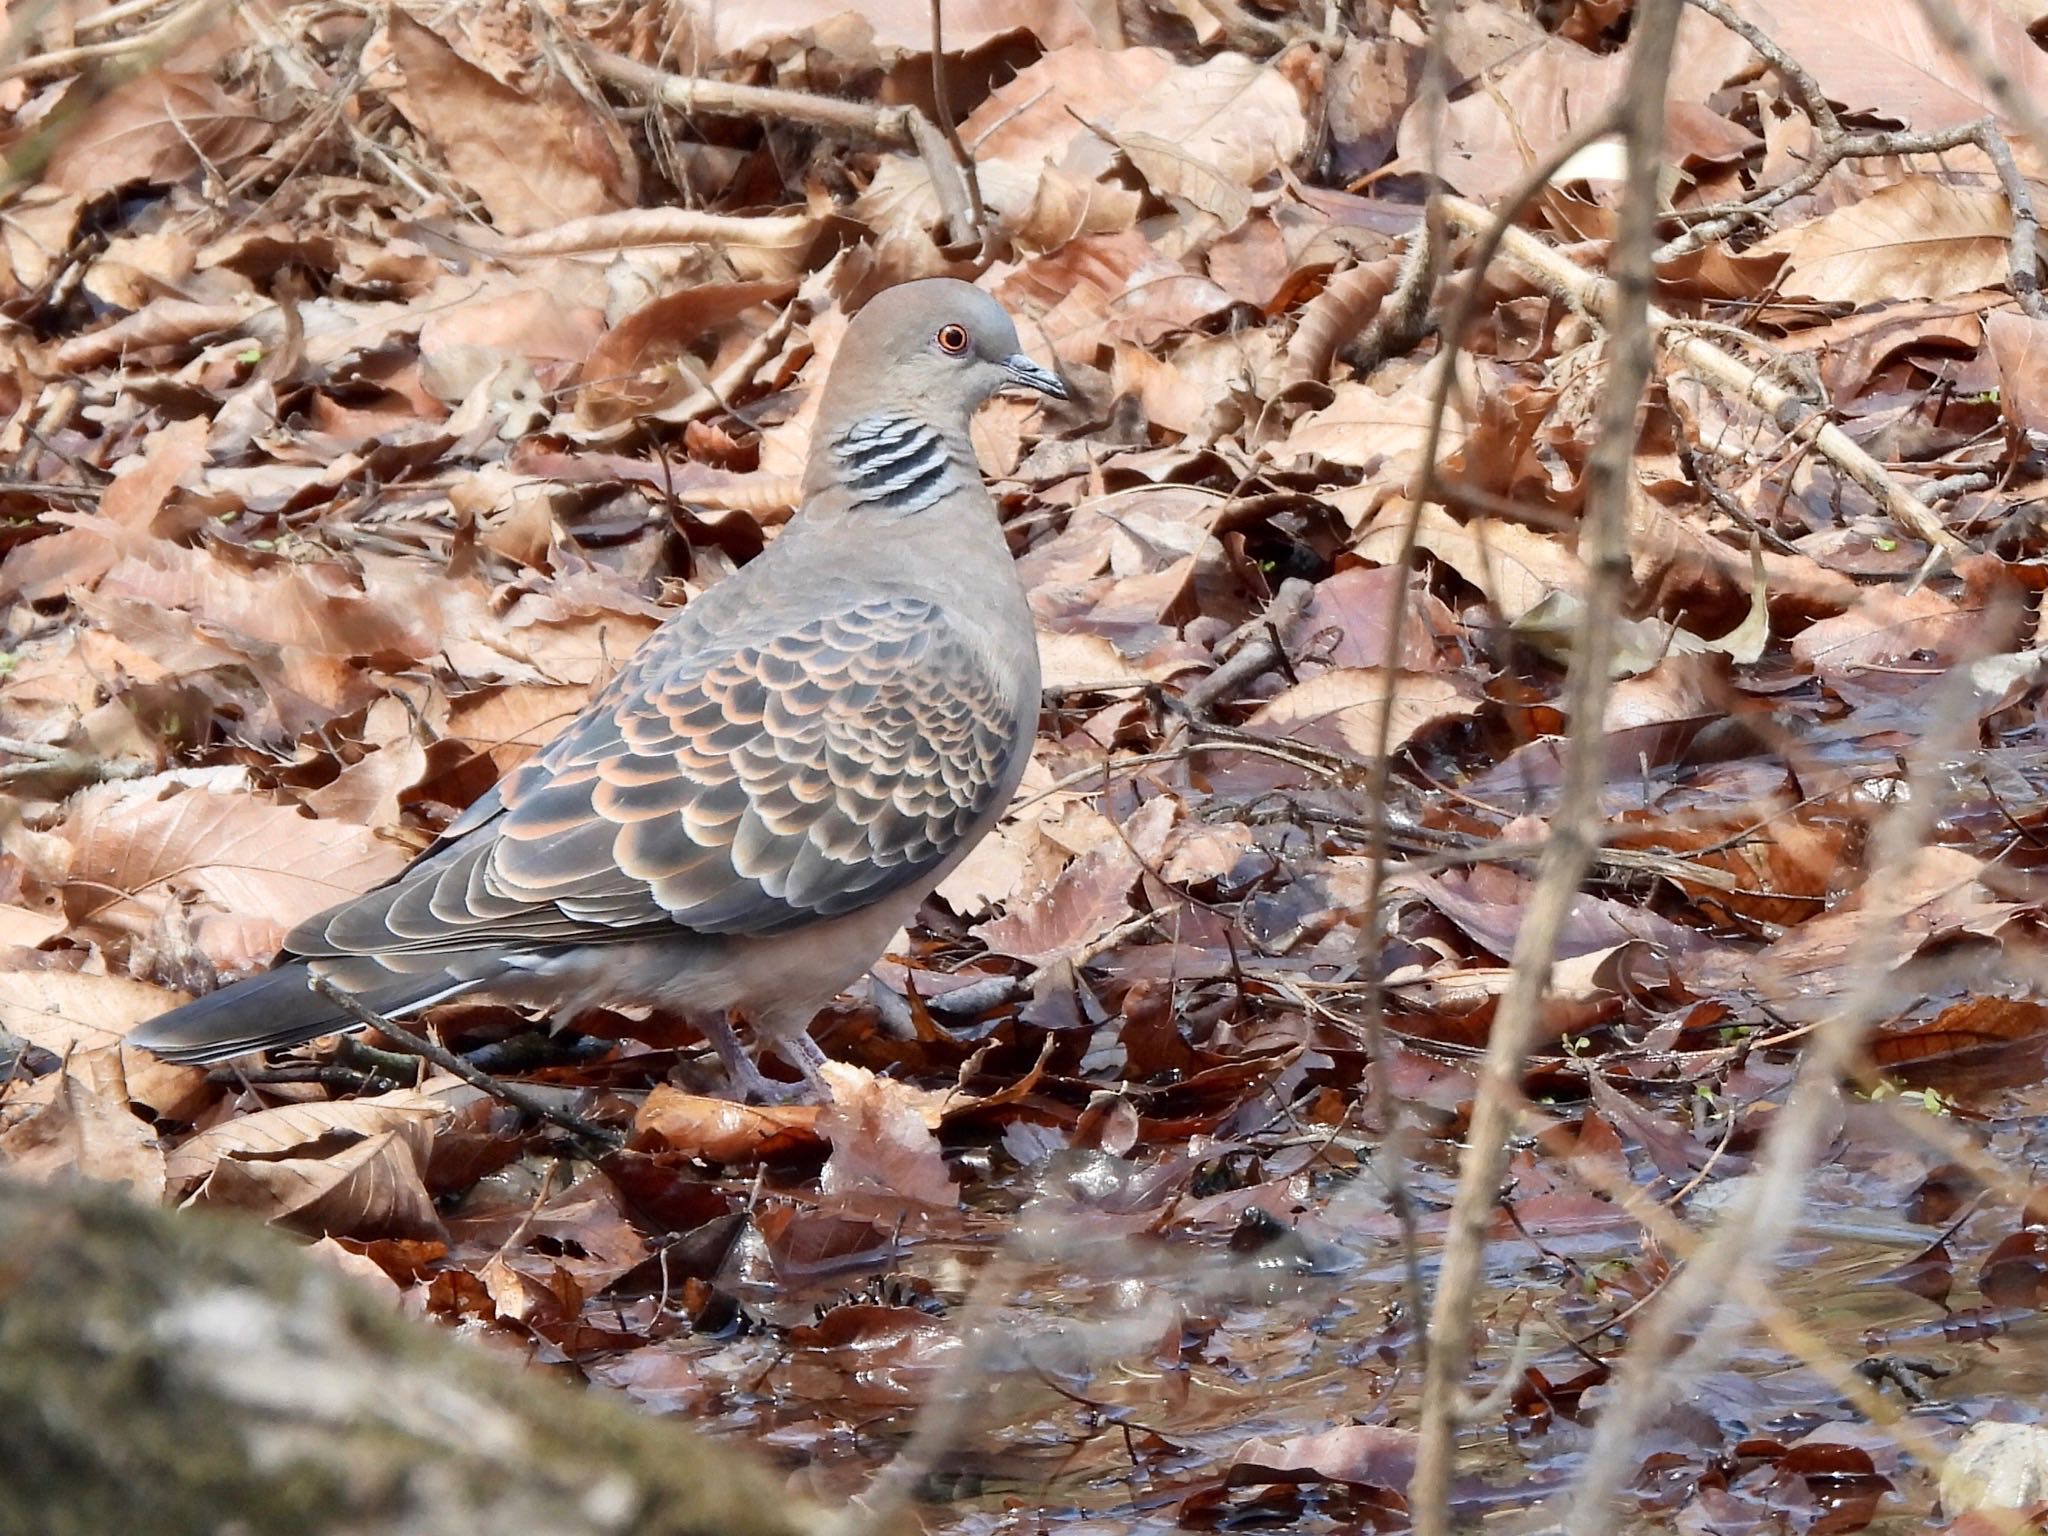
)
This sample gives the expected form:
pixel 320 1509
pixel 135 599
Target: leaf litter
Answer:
pixel 377 380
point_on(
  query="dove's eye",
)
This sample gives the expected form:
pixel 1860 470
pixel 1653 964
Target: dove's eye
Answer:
pixel 953 339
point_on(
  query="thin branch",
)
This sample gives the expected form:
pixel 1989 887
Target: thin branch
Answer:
pixel 595 1139
pixel 1575 827
pixel 1746 1242
pixel 1379 834
pixel 903 127
pixel 942 104
pixel 1594 297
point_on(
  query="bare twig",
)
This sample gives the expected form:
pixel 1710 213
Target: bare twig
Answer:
pixel 1379 837
pixel 942 104
pixel 595 1139
pixel 1594 297
pixel 1259 649
pixel 904 127
pixel 1246 33
pixel 1575 825
pixel 1834 144
pixel 64 765
pixel 144 46
pixel 1403 316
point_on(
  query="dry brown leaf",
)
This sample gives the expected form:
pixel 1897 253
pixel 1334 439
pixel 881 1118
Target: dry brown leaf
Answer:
pixel 2018 345
pixel 1515 567
pixel 1228 124
pixel 1342 707
pixel 342 1169
pixel 1502 125
pixel 882 1141
pixel 67 1011
pixel 1337 315
pixel 163 127
pixel 743 31
pixel 1881 55
pixel 87 1131
pixel 721 1131
pixel 1887 625
pixel 1936 893
pixel 1916 239
pixel 1103 289
pixel 1383 433
pixel 83 552
pixel 143 846
pixel 536 157
pixel 1089 899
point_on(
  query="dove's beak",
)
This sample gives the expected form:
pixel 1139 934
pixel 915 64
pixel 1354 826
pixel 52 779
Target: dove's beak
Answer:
pixel 1022 370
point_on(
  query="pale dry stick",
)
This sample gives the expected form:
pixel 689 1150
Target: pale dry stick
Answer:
pixel 903 127
pixel 1594 297
pixel 1379 779
pixel 1246 33
pixel 1259 648
pixel 717 394
pixel 1575 824
pixel 160 38
pixel 949 129
pixel 1749 1237
pixel 114 15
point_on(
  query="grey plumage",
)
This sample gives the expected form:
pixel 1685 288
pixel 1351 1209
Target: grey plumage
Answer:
pixel 762 795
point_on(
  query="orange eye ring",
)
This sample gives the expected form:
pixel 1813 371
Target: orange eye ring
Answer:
pixel 954 339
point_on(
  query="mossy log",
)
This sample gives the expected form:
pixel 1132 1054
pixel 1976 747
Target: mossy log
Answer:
pixel 164 1374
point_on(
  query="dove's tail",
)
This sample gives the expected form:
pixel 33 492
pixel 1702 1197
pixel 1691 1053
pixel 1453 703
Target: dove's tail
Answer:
pixel 271 1011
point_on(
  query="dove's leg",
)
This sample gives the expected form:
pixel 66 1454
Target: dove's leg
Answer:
pixel 796 1047
pixel 743 1078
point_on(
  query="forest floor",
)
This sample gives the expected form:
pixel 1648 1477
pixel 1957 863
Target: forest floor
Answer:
pixel 377 377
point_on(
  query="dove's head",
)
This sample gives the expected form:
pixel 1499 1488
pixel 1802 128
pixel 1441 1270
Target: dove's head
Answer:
pixel 937 347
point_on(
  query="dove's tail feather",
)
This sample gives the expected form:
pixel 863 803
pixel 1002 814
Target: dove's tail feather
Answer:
pixel 268 1012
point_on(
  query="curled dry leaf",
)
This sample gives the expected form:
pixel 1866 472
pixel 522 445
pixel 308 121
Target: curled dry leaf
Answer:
pixel 1342 707
pixel 1385 434
pixel 1228 124
pixel 1336 316
pixel 1367 1455
pixel 349 1169
pixel 882 1142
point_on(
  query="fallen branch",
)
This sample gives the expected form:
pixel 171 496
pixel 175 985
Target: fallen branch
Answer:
pixel 1575 827
pixel 1261 645
pixel 903 127
pixel 1593 296
pixel 595 1139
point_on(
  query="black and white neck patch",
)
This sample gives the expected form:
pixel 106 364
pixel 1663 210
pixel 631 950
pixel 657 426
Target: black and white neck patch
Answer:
pixel 893 462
